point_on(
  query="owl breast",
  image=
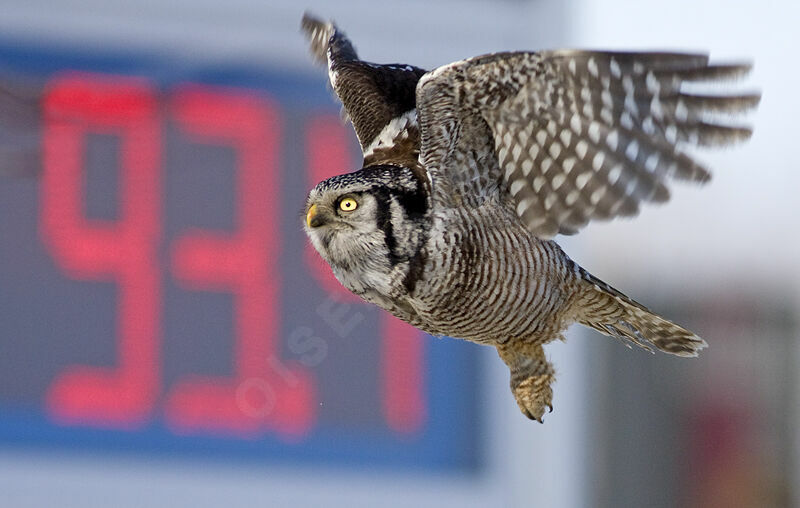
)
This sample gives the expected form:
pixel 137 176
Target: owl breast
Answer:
pixel 488 280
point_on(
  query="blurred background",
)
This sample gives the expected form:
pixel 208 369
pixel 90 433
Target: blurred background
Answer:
pixel 168 338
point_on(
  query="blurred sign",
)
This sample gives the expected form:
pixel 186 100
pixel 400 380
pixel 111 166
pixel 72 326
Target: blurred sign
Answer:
pixel 157 292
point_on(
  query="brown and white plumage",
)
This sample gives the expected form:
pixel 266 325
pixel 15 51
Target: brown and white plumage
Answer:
pixel 577 135
pixel 472 168
pixel 374 96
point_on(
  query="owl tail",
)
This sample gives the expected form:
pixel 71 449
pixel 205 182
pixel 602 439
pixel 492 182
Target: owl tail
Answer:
pixel 610 312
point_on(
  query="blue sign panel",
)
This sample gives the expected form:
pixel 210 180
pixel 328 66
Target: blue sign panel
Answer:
pixel 158 295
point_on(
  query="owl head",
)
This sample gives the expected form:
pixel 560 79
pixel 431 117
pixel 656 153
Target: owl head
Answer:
pixel 370 219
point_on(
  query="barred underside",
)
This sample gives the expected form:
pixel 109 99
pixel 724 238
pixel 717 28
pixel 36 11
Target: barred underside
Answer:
pixel 487 280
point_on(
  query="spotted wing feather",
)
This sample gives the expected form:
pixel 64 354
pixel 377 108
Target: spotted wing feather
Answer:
pixel 577 135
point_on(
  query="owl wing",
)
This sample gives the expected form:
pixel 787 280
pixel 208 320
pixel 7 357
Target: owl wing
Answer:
pixel 378 99
pixel 571 136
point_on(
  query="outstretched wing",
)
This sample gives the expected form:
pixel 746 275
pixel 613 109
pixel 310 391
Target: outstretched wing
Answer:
pixel 379 99
pixel 566 137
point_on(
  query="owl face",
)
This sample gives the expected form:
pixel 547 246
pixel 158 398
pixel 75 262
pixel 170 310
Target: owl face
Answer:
pixel 366 222
pixel 342 217
pixel 340 222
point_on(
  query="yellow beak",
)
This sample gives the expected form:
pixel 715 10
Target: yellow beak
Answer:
pixel 310 215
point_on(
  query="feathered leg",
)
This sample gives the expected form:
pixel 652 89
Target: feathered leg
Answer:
pixel 531 377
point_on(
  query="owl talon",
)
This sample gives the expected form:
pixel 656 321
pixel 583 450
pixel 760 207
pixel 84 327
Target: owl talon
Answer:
pixel 531 377
pixel 533 395
pixel 531 416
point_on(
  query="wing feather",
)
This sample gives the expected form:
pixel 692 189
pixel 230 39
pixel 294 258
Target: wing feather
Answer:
pixel 576 135
pixel 378 99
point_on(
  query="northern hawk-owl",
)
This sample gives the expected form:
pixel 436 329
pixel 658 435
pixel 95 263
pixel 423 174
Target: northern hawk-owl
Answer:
pixel 472 168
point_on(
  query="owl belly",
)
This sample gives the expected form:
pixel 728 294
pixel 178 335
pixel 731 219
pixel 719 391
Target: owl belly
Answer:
pixel 489 280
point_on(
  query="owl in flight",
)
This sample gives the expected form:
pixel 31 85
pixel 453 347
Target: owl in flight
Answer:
pixel 472 168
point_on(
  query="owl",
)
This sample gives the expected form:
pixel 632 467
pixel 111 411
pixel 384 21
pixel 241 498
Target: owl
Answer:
pixel 470 170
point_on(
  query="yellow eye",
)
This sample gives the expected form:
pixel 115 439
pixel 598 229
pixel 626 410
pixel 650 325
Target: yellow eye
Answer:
pixel 348 204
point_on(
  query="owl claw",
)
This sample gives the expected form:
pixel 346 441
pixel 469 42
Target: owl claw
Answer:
pixel 533 396
pixel 531 377
pixel 531 416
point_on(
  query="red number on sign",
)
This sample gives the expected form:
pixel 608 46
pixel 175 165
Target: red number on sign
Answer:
pixel 328 154
pixel 123 251
pixel 402 355
pixel 403 383
pixel 264 393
